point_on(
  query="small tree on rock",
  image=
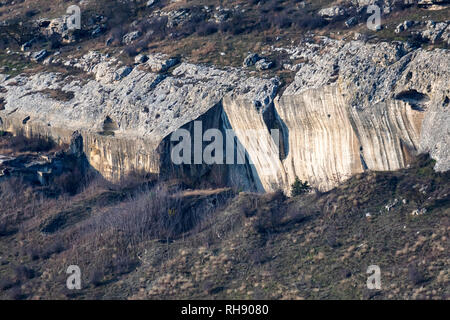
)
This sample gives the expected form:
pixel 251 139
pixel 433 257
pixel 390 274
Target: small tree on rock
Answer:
pixel 299 187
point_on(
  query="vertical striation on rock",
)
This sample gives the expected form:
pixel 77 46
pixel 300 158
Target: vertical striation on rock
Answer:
pixel 353 106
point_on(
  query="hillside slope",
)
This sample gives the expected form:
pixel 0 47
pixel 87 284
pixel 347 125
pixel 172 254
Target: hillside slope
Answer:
pixel 166 241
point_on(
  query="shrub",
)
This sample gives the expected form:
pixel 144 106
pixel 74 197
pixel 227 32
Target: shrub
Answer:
pixel 299 187
pixel 414 275
pixel 236 25
pixel 33 253
pixel 56 246
pixel 131 51
pixel 416 40
pixel 310 22
pixel 24 273
pixel 281 21
pixel 117 34
pixel 68 182
pixel 6 284
pixel 151 213
pixel 17 294
pixel 21 143
pixel 158 26
pixel 96 278
pixel 269 212
pixel 207 28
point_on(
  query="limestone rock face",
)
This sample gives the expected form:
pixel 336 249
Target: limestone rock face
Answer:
pixel 123 116
pixel 359 106
pixel 353 106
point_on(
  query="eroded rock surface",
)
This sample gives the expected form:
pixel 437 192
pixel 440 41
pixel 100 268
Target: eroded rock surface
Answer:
pixel 352 107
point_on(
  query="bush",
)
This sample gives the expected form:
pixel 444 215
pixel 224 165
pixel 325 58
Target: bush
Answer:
pixel 416 40
pixel 269 212
pixel 151 213
pixel 299 187
pixel 17 294
pixel 414 275
pixel 96 278
pixel 207 28
pixel 131 51
pixel 22 143
pixel 281 21
pixel 6 284
pixel 55 247
pixel 68 182
pixel 23 273
pixel 310 22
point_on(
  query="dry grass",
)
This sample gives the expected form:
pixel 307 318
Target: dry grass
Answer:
pixel 56 94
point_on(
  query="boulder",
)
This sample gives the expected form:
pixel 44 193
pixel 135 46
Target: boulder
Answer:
pixel 122 72
pixel 141 58
pixel 130 37
pixel 27 45
pixel 332 12
pixel 161 63
pixel 351 22
pixel 405 25
pixel 264 64
pixel 39 55
pixel 435 30
pixel 251 59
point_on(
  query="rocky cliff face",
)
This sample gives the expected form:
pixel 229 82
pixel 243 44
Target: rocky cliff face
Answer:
pixel 357 106
pixel 352 107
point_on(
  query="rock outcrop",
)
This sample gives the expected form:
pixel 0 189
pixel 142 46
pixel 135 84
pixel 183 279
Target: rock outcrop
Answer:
pixel 352 107
pixel 124 116
pixel 360 106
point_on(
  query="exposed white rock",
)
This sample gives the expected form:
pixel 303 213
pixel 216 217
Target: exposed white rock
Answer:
pixel 39 55
pixel 405 25
pixel 263 64
pixel 352 107
pixel 332 12
pixel 435 31
pixel 143 107
pixel 130 37
pixel 251 60
pixel 141 58
pixel 161 63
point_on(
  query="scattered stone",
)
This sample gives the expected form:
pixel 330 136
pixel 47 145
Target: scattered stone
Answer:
pixel 27 45
pixel 419 212
pixel 221 15
pixel 251 59
pixel 290 67
pixel 97 31
pixel 435 31
pixel 332 12
pixel 405 25
pixel 161 63
pixel 390 205
pixel 123 72
pixel 358 36
pixel 351 22
pixel 39 55
pixel 130 37
pixel 109 41
pixel 263 64
pixel 141 58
